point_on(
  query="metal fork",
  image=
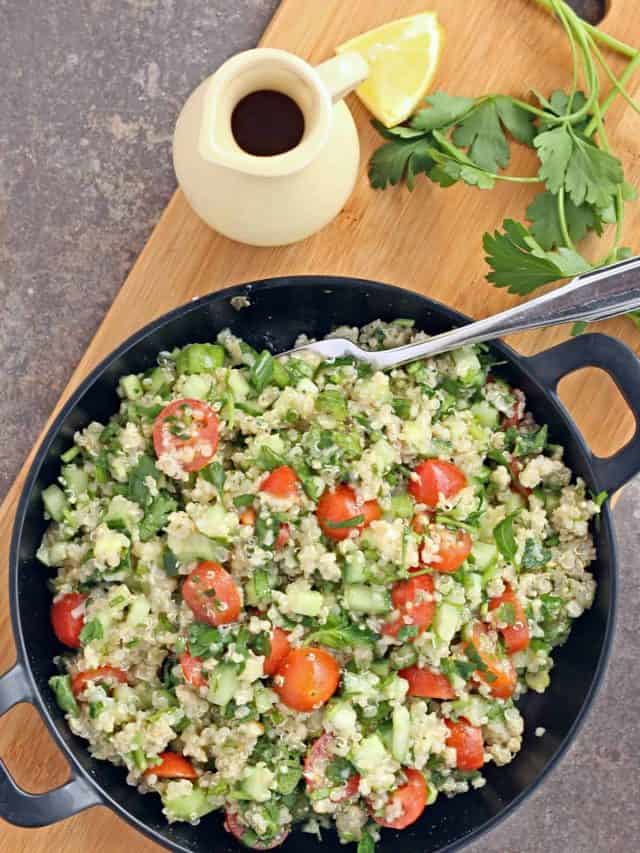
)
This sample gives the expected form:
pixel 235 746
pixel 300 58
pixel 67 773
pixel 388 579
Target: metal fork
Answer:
pixel 597 295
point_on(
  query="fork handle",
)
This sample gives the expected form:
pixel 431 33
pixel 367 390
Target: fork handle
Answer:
pixel 595 295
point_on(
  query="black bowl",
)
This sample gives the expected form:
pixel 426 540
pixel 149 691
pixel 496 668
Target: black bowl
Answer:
pixel 281 309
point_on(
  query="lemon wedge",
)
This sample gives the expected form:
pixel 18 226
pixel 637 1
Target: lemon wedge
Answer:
pixel 403 58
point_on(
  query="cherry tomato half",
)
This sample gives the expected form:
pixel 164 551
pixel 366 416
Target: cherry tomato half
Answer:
pixel 101 673
pixel 189 429
pixel 467 742
pixel 234 827
pixel 67 618
pixel 192 670
pixel 282 482
pixel 315 771
pixel 516 637
pixel 409 799
pixel 248 516
pixel 338 506
pixel 279 649
pixel 212 594
pixel 284 534
pixel 307 678
pixel 414 599
pixel 453 550
pixel 499 673
pixel 172 766
pixel 433 478
pixel 427 684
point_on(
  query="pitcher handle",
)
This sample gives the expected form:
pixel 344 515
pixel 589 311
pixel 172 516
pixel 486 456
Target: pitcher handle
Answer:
pixel 342 74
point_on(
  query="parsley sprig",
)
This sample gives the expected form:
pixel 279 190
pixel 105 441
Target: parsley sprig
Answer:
pixel 457 139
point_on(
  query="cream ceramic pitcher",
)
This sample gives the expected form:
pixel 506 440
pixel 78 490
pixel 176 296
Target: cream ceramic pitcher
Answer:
pixel 273 200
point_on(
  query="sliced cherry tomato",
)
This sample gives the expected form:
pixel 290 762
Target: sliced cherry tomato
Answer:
pixel 420 522
pixel 339 506
pixel 468 744
pixel 516 486
pixel 278 651
pixel 307 678
pixel 189 430
pixel 234 827
pixel 315 771
pixel 248 516
pixel 282 482
pixel 427 684
pixel 409 799
pixel 518 410
pixel 67 618
pixel 414 599
pixel 284 534
pixel 516 637
pixel 212 594
pixel 101 673
pixel 499 673
pixel 435 477
pixel 172 766
pixel 192 670
pixel 453 550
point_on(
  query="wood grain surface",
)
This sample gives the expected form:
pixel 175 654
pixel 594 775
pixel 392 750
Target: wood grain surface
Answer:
pixel 428 241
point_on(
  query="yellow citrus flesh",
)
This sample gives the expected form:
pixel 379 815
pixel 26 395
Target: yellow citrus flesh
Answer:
pixel 403 58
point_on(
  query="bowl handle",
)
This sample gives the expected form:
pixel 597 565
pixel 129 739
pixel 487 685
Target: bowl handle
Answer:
pixel 623 366
pixel 19 807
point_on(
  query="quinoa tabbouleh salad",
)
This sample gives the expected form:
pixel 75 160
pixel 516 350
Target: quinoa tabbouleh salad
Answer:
pixel 306 592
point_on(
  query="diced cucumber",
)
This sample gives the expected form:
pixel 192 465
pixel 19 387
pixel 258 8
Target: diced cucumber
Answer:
pixel 258 588
pixel 256 783
pixel 468 367
pixel 380 667
pixel 401 506
pixel 340 718
pixel 61 686
pixel 485 555
pixel 473 586
pixel 432 794
pixel 280 376
pixel 369 754
pixel 196 386
pixel 131 387
pixel 400 737
pixel 158 379
pixel 265 699
pixel 446 621
pixel 486 414
pixel 119 598
pixel 223 684
pixel 401 657
pixel 195 546
pixel 75 479
pixel 473 708
pixel 187 806
pixel 514 502
pixel 354 568
pixel 122 513
pixel 304 601
pixel 238 384
pixel 361 598
pixel 139 610
pixel 216 523
pixel 55 502
pixel 538 681
pixel 200 358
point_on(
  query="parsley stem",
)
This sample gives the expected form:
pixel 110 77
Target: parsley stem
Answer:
pixel 618 86
pixel 562 216
pixel 604 38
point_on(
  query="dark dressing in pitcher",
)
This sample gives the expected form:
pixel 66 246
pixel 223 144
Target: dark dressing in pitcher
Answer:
pixel 266 123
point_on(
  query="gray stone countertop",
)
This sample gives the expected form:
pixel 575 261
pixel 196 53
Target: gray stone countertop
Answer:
pixel 90 91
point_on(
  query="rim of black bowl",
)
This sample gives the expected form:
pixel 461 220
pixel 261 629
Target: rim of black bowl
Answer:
pixel 245 289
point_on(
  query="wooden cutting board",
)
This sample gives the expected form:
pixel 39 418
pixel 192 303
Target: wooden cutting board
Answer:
pixel 428 241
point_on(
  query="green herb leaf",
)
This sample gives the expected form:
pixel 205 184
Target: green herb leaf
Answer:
pixel 214 473
pixel 443 111
pixel 261 371
pixel 578 328
pixel 242 501
pixel 505 539
pixel 92 630
pixel 137 489
pixel 204 640
pixel 170 563
pixel 267 459
pixel 452 667
pixel 339 770
pixel 531 443
pixel 545 220
pixel 340 633
pixel 481 133
pixel 600 498
pixel 521 265
pixel 354 521
pixel 156 515
pixel 507 613
pixel 400 159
